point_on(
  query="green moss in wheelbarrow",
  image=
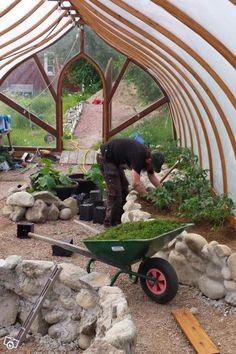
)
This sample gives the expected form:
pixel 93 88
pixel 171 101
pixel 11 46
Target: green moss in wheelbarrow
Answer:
pixel 130 242
pixel 137 230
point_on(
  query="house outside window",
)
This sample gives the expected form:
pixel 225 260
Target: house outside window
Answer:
pixel 49 63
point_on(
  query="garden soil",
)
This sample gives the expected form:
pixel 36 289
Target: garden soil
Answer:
pixel 157 330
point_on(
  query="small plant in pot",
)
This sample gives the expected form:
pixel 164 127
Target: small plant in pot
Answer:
pixel 49 179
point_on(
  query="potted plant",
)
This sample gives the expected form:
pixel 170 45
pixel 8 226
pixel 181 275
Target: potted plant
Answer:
pixel 49 179
pixel 90 180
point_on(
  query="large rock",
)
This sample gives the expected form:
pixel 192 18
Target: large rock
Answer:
pixel 213 271
pixel 208 252
pixel 9 304
pixel 53 212
pixel 96 279
pixel 211 288
pixel 70 275
pixel 47 197
pixel 7 210
pixel 231 298
pixel 71 203
pixel 65 332
pixel 65 214
pixel 55 316
pixel 88 321
pixel 222 251
pixel 34 269
pixel 135 215
pixel 230 286
pixel 195 242
pixel 122 335
pixel 186 274
pixel 196 261
pixel 38 213
pixel 12 261
pixel 17 213
pixel 130 205
pixel 232 265
pixel 84 341
pixel 86 299
pixel 100 346
pixel 39 325
pixel 22 199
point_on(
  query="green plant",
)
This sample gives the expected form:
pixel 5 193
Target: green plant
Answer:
pixel 189 193
pixel 160 197
pixel 47 178
pixel 138 230
pixel 95 175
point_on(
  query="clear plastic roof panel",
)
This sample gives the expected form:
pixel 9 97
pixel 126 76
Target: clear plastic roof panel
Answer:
pixel 188 46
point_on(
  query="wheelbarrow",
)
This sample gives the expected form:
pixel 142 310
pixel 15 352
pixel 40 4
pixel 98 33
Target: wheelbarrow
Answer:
pixel 157 277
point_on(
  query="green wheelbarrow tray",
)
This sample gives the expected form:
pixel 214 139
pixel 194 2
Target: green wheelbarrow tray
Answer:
pixel 127 252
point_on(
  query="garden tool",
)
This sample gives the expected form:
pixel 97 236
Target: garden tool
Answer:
pixel 170 170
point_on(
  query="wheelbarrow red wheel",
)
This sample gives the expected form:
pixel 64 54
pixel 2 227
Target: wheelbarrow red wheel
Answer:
pixel 164 285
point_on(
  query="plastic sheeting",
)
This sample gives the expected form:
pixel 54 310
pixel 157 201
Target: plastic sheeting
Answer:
pixel 189 46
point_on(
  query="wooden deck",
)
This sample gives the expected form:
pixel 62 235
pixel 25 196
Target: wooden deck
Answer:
pixel 80 157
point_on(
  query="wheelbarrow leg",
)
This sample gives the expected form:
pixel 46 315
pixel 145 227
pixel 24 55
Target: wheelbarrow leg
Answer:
pixel 88 265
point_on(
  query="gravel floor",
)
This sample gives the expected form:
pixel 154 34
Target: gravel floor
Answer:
pixel 157 329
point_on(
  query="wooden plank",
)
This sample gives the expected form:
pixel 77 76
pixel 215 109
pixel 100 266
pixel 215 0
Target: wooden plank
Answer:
pixel 72 157
pixel 64 157
pixel 194 332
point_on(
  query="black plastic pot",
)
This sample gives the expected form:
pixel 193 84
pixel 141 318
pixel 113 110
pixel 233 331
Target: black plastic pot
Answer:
pixel 64 192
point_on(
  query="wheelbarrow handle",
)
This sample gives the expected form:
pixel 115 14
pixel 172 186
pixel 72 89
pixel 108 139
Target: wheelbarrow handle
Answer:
pixel 64 245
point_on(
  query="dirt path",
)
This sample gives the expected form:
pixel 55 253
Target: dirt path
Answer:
pixel 158 333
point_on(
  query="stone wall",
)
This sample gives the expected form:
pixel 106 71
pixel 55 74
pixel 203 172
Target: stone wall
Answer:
pixel 211 267
pixel 81 308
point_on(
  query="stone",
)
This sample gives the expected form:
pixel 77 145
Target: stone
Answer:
pixel 17 214
pixel 232 265
pixel 37 213
pixel 222 251
pixel 66 331
pixel 226 274
pixel 12 261
pixel 7 210
pixel 114 307
pixel 19 188
pixel 195 242
pixel 181 247
pixel 130 205
pixel 211 288
pixel 53 213
pixel 214 272
pixel 48 198
pixel 22 199
pixel 230 286
pixel 71 203
pixel 194 310
pixel 96 279
pixel 208 253
pixel 55 316
pixel 196 261
pixel 61 289
pixel 171 244
pixel 86 299
pixel 131 197
pixel 9 305
pixel 65 214
pixel 70 275
pixel 135 215
pixel 68 303
pixel 84 341
pixel 185 272
pixel 88 321
pixel 162 254
pixel 100 346
pixel 39 325
pixel 34 269
pixel 122 335
pixel 231 298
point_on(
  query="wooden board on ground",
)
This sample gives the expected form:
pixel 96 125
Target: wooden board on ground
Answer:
pixel 80 157
pixel 194 332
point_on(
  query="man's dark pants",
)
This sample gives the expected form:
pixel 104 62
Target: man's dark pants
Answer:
pixel 117 190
